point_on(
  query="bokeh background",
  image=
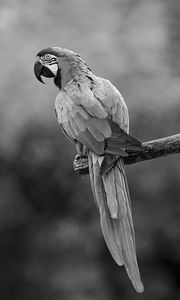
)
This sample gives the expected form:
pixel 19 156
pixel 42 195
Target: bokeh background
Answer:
pixel 51 246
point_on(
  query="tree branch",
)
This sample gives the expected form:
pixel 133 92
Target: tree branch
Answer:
pixel 152 149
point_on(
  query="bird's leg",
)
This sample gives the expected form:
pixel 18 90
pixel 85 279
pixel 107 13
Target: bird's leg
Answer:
pixel 81 150
pixel 81 159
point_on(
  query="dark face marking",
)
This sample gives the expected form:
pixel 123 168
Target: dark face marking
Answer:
pixel 46 72
pixel 57 79
pixel 41 70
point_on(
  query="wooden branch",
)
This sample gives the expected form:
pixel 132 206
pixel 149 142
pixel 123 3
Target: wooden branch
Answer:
pixel 152 149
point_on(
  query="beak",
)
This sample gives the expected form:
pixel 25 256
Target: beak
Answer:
pixel 41 70
pixel 38 68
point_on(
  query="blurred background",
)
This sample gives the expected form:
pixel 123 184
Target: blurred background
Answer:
pixel 51 245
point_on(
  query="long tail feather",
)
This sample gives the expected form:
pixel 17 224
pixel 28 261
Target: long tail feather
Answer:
pixel 112 197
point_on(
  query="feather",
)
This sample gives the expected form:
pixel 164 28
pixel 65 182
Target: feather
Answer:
pixel 94 131
pixel 117 131
pixel 80 122
pixel 121 139
pixel 87 139
pixel 108 162
pixel 112 198
pixel 111 148
pixel 83 112
pixel 105 219
pixel 68 130
pixel 74 126
pixel 109 180
pixel 96 110
pixel 120 173
pixel 102 126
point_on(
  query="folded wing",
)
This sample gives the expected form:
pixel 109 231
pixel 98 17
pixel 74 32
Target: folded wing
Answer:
pixel 98 131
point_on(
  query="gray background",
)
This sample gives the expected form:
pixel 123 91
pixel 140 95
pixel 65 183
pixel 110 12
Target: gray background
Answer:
pixel 51 246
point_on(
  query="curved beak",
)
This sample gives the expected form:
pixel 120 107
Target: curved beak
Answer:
pixel 42 70
pixel 38 69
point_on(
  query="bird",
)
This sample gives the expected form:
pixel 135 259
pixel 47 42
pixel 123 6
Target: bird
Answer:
pixel 93 115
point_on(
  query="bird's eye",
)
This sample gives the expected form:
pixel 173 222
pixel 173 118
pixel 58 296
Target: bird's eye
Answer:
pixel 46 57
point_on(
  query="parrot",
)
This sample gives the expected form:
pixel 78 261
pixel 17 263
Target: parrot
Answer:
pixel 93 115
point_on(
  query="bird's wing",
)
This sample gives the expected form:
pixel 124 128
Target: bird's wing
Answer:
pixel 95 118
pixel 113 102
pixel 111 99
pixel 75 119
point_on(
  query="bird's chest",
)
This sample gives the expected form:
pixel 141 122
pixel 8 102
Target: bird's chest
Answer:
pixel 67 104
pixel 64 107
pixel 69 101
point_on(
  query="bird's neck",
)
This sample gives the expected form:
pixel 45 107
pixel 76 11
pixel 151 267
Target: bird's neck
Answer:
pixel 76 70
pixel 66 75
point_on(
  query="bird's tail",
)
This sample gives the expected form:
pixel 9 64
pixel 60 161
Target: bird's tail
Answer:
pixel 112 196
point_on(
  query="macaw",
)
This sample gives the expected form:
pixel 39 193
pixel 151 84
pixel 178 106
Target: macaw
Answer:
pixel 92 113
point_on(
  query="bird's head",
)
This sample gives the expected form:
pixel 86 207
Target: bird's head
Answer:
pixel 55 62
